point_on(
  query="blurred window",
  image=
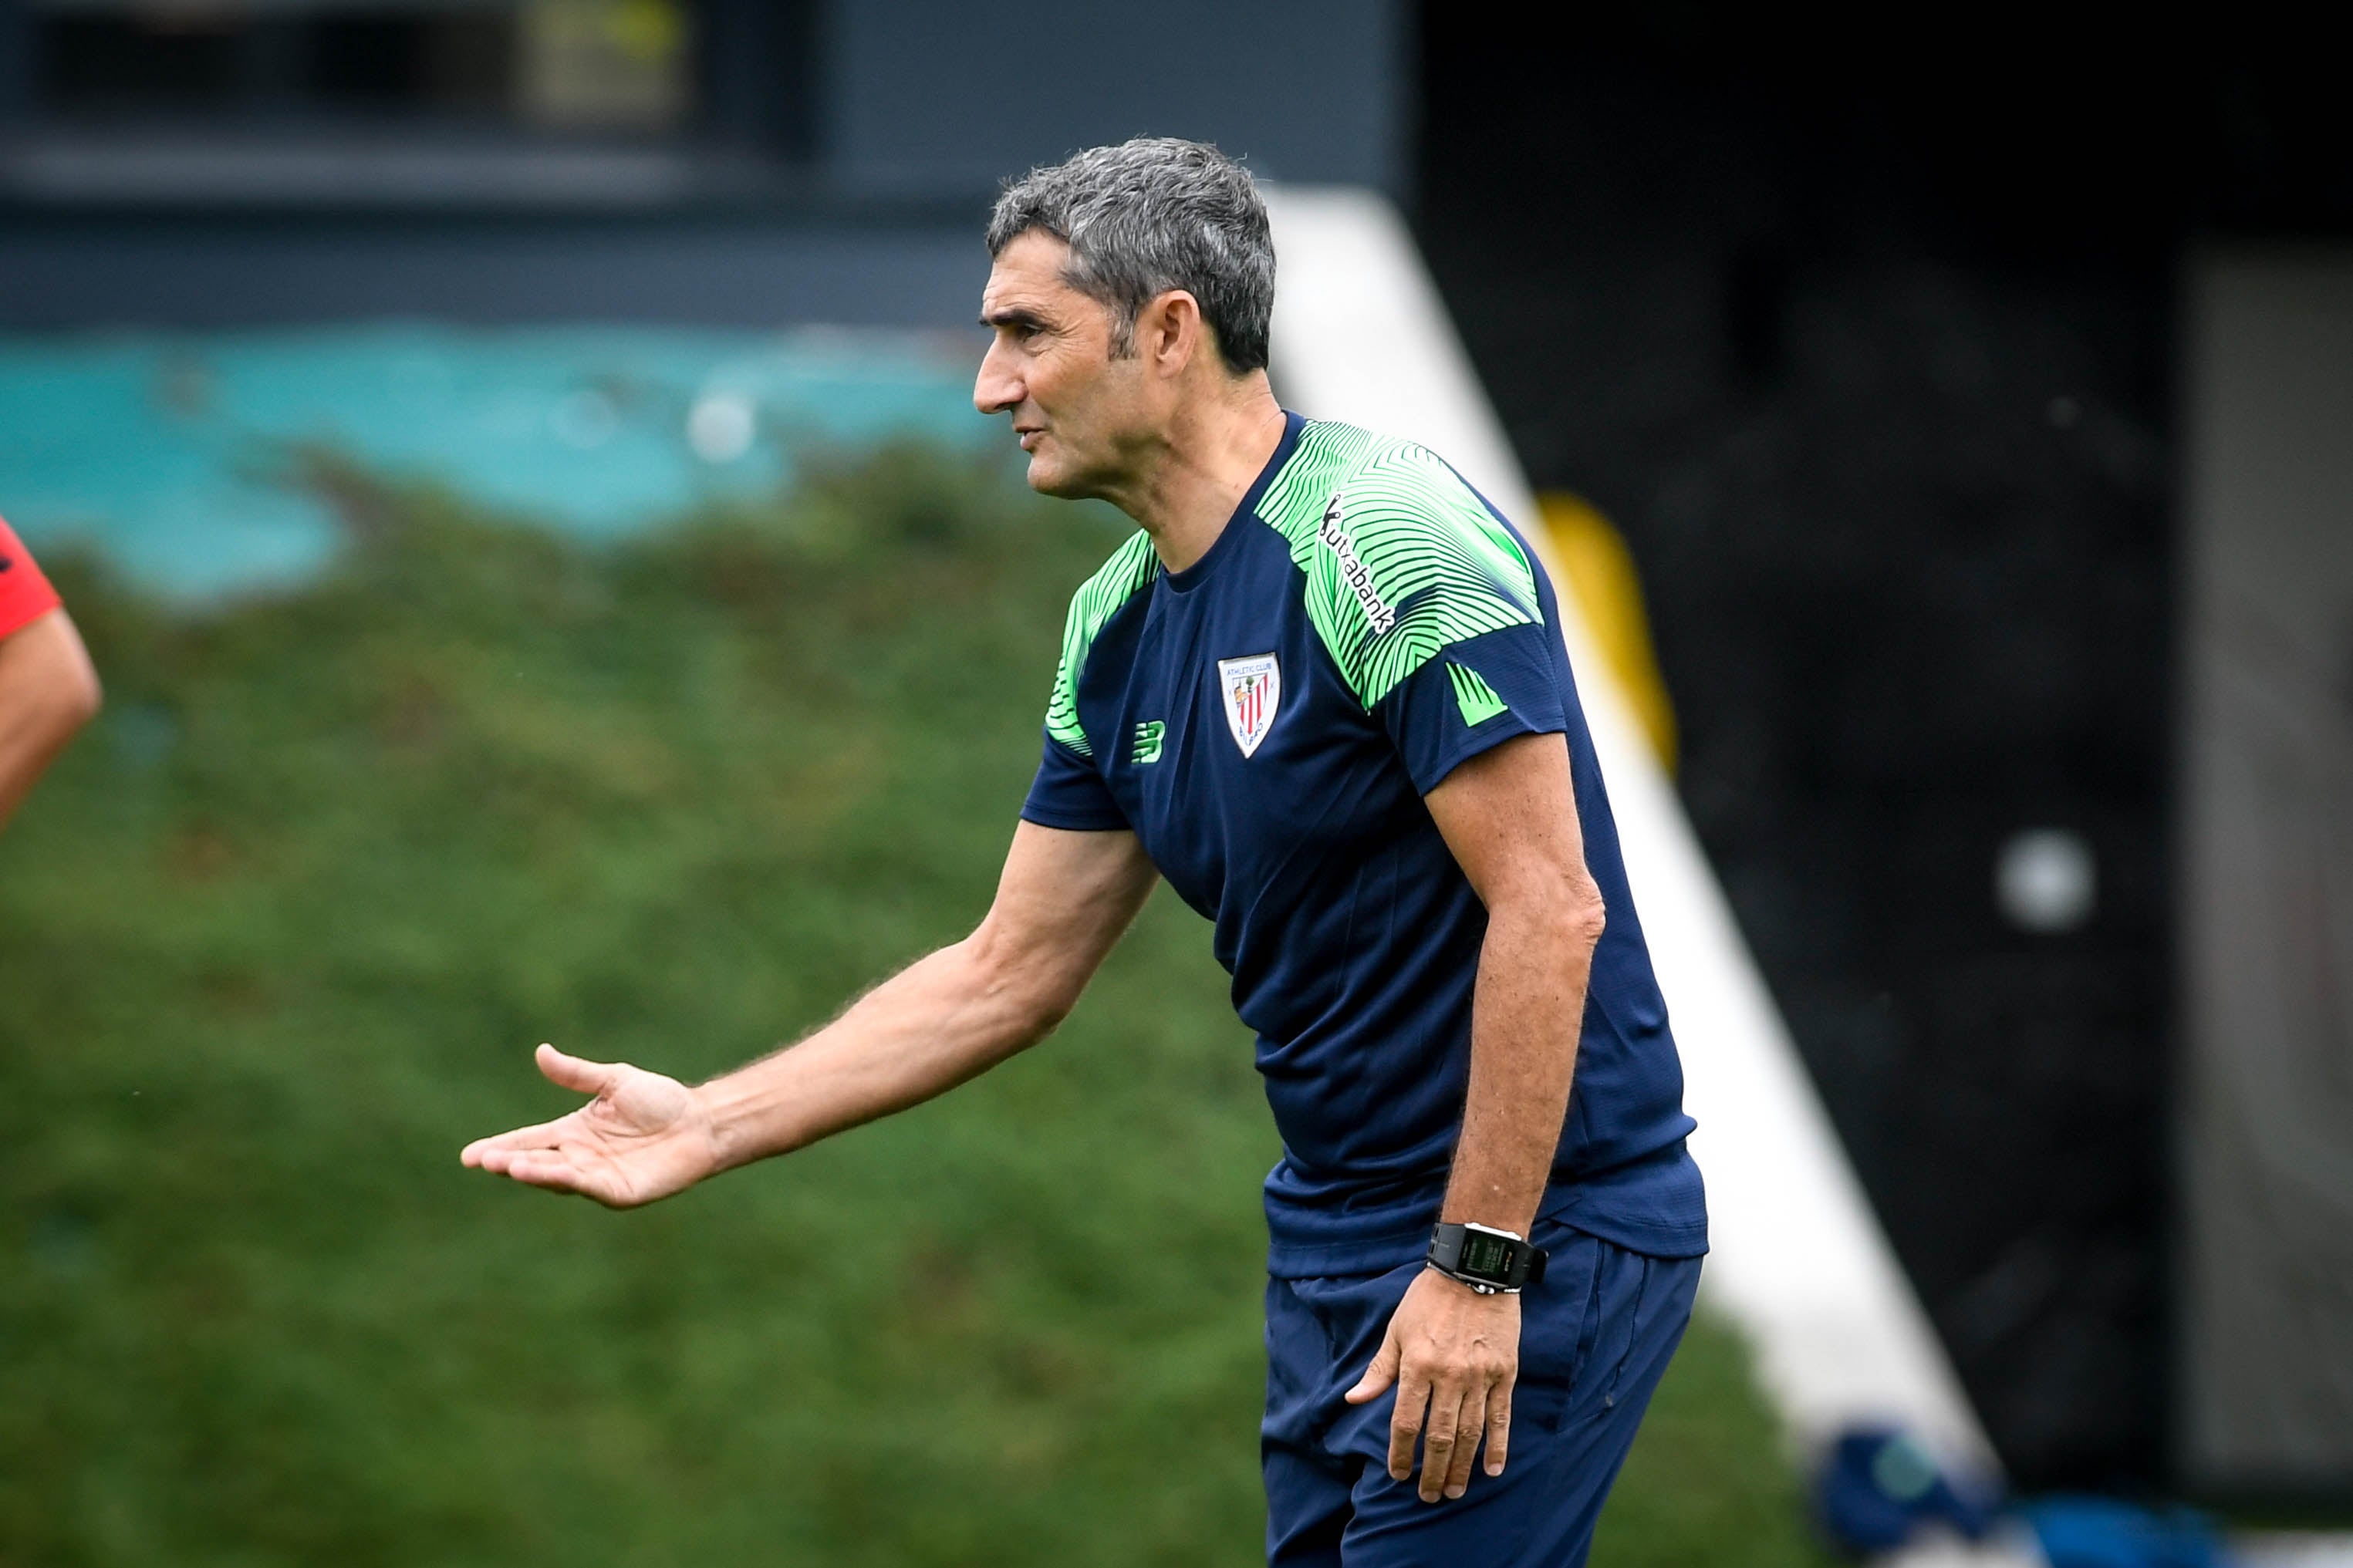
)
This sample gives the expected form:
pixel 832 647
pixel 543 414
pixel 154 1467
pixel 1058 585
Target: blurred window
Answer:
pixel 594 66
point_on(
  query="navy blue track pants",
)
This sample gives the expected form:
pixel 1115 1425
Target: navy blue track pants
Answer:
pixel 1595 1336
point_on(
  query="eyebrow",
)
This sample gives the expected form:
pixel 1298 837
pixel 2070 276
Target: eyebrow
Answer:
pixel 1012 316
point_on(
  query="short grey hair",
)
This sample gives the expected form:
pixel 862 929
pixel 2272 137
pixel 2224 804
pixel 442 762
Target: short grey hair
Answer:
pixel 1149 215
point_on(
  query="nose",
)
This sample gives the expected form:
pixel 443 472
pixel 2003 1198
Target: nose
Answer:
pixel 998 387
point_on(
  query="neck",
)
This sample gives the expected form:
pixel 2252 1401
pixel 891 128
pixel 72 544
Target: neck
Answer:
pixel 1199 468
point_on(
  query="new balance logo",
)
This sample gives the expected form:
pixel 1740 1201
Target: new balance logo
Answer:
pixel 1149 736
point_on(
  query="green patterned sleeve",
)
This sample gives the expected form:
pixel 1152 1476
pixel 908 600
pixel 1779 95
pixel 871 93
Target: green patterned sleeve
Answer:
pixel 1407 560
pixel 1131 569
pixel 1069 791
pixel 1431 608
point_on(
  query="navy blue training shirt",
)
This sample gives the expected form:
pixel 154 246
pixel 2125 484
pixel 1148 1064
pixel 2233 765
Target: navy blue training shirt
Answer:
pixel 1266 721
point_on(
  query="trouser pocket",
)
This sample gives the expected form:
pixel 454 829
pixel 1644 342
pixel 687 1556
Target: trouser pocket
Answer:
pixel 1561 1324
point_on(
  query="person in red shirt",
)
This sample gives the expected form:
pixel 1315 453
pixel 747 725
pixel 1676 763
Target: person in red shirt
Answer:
pixel 47 688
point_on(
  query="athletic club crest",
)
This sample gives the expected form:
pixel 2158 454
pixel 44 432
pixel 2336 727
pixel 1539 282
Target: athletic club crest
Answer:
pixel 1253 688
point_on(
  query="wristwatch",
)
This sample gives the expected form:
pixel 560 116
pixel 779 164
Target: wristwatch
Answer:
pixel 1492 1262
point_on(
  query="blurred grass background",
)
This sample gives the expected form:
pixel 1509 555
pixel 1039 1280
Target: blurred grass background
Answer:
pixel 280 933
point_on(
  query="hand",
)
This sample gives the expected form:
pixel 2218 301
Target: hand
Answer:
pixel 1458 1353
pixel 643 1137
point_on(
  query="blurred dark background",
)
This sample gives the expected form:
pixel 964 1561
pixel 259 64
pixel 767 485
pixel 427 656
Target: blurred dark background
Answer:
pixel 1865 339
pixel 1873 367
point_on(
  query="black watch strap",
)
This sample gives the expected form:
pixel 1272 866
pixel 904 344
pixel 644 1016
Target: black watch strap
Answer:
pixel 1490 1261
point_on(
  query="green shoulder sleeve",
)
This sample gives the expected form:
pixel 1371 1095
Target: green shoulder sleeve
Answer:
pixel 1401 558
pixel 1131 568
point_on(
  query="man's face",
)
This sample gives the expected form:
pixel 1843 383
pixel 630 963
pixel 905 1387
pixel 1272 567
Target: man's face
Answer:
pixel 1081 415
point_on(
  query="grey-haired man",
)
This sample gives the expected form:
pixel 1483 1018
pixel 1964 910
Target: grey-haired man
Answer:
pixel 1321 692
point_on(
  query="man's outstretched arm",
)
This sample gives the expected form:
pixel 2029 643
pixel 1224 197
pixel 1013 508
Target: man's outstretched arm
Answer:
pixel 1062 902
pixel 1510 816
pixel 47 691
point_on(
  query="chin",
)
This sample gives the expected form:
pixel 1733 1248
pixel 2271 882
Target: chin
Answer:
pixel 1049 478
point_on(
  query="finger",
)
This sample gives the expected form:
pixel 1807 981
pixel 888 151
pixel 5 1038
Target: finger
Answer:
pixel 558 1173
pixel 1405 1425
pixel 1470 1426
pixel 1499 1426
pixel 500 1159
pixel 1438 1439
pixel 544 1135
pixel 1379 1376
pixel 575 1073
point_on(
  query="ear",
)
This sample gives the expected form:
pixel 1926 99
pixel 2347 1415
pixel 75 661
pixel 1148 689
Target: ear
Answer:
pixel 1169 332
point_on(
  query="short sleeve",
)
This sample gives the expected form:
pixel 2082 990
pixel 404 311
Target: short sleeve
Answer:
pixel 1472 695
pixel 1431 609
pixel 1068 792
pixel 25 595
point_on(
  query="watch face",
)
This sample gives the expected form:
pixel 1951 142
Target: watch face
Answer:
pixel 1490 1255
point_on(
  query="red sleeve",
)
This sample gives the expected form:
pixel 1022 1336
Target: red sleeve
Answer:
pixel 25 595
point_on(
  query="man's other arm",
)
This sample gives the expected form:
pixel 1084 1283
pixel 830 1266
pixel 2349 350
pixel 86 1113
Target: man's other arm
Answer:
pixel 47 691
pixel 1510 816
pixel 1062 902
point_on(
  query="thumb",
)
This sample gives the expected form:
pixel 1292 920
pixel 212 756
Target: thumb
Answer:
pixel 571 1072
pixel 1380 1374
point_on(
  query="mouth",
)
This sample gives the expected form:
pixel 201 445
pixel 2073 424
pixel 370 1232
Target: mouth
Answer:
pixel 1030 435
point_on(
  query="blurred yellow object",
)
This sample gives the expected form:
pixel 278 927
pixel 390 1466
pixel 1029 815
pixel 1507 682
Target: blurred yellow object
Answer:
pixel 605 65
pixel 1602 581
pixel 648 30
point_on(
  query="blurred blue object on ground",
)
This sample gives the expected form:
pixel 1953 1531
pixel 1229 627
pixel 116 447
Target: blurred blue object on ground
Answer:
pixel 2101 1532
pixel 160 449
pixel 1878 1486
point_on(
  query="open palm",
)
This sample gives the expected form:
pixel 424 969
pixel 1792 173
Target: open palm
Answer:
pixel 643 1137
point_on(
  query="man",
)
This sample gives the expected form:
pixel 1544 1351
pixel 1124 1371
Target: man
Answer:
pixel 1324 693
pixel 47 688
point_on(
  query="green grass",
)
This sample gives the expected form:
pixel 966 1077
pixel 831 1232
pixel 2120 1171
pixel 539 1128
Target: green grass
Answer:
pixel 278 935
